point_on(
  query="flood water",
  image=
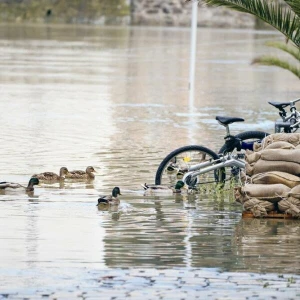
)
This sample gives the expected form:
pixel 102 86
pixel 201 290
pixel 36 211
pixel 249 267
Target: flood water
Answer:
pixel 117 98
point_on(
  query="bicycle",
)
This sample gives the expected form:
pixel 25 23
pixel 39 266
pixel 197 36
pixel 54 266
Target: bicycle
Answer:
pixel 289 123
pixel 196 164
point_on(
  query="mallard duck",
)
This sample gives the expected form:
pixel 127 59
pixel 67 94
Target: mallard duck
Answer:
pixel 111 199
pixel 79 174
pixel 152 189
pixel 50 176
pixel 16 186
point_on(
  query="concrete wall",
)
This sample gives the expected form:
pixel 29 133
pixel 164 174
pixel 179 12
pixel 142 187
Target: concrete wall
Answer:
pixel 178 13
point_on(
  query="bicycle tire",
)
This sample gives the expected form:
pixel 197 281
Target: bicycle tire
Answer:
pixel 247 135
pixel 244 136
pixel 197 154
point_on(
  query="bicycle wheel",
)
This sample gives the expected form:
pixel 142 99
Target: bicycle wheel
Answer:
pixel 247 138
pixel 173 167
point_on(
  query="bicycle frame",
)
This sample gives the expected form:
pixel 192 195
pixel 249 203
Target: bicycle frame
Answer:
pixel 288 123
pixel 211 165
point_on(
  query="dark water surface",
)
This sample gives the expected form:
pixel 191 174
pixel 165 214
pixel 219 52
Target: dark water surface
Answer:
pixel 117 98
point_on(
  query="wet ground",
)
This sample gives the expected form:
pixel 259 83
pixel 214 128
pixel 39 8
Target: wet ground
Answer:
pixel 117 98
pixel 167 284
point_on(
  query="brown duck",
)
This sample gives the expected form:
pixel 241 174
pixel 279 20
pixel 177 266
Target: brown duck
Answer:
pixel 50 176
pixel 79 174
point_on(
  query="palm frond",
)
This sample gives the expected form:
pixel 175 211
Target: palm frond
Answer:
pixel 290 49
pixel 271 12
pixel 274 61
pixel 294 5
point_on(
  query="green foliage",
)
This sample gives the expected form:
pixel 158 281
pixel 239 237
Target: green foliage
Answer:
pixel 290 49
pixel 269 60
pixel 294 5
pixel 272 12
pixel 274 61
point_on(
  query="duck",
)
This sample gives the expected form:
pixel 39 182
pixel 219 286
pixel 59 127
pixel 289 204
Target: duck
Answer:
pixel 50 176
pixel 79 174
pixel 4 185
pixel 110 199
pixel 153 189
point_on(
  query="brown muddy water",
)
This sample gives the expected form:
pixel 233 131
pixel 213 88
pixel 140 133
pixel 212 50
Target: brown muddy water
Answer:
pixel 117 98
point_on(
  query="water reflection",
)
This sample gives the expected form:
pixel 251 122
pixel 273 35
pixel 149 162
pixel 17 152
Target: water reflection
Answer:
pixel 189 233
pixel 268 244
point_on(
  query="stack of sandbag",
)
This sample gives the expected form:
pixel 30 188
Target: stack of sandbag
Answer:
pixel 274 159
pixel 273 171
pixel 291 203
pixel 260 198
pixel 291 138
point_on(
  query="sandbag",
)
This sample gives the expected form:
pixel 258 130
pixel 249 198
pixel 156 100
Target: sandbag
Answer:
pixel 275 177
pixel 252 157
pixel 239 195
pixel 258 146
pixel 291 155
pixel 295 192
pixel 259 208
pixel 290 206
pixel 243 176
pixel 292 138
pixel 281 145
pixel 262 166
pixel 269 192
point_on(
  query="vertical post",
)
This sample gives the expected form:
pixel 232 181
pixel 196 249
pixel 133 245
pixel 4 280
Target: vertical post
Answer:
pixel 189 251
pixel 193 51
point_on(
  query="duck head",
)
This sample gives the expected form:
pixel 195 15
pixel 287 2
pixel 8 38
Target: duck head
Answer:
pixel 116 191
pixel 33 181
pixel 180 185
pixel 90 170
pixel 63 171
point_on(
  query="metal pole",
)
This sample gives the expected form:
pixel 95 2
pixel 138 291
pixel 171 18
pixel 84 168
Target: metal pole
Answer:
pixel 193 51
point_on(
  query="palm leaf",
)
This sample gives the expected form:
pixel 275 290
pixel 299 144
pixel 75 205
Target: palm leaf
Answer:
pixel 274 61
pixel 290 49
pixel 283 19
pixel 294 5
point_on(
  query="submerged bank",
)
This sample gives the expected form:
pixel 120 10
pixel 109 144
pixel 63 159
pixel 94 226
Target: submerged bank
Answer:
pixel 125 12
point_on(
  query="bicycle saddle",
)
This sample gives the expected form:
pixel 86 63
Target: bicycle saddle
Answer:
pixel 280 105
pixel 228 120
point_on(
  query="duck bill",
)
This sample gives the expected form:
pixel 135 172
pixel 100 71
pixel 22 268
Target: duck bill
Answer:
pixel 185 187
